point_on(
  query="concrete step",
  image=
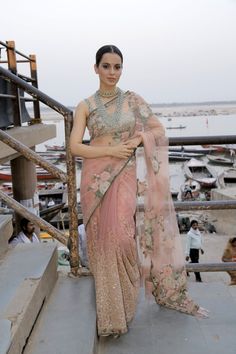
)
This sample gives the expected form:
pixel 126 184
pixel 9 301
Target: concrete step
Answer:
pixel 157 330
pixel 6 230
pixel 67 323
pixel 28 273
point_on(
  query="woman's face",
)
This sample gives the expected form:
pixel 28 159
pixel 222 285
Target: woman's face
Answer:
pixel 109 70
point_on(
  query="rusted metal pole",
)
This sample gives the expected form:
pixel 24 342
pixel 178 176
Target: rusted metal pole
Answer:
pixel 20 209
pixel 31 155
pixel 33 91
pixel 12 65
pixel 203 140
pixel 72 198
pixel 211 267
pixel 33 70
pixel 206 205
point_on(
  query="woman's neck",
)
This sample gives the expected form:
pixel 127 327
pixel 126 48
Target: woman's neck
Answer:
pixel 107 91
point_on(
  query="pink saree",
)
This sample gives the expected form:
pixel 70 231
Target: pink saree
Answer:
pixel 129 216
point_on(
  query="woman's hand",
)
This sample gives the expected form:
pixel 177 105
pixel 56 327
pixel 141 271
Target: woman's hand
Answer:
pixel 122 150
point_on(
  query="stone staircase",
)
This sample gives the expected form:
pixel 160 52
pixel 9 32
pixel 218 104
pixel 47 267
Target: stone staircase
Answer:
pixel 40 312
pixel 44 311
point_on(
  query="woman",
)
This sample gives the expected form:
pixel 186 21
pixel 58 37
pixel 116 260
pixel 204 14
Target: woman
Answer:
pixel 118 123
pixel 229 255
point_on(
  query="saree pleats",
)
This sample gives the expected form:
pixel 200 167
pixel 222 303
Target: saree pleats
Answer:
pixel 113 256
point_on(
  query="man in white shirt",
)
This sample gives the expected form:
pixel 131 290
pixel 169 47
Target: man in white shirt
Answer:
pixel 27 235
pixel 194 245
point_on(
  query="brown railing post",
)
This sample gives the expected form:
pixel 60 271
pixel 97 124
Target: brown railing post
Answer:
pixel 34 76
pixel 72 198
pixel 12 65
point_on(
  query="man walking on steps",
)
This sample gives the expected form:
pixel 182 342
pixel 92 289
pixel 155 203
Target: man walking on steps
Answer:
pixel 194 245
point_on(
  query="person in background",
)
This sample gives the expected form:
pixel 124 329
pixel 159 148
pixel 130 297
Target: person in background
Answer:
pixel 194 245
pixel 27 235
pixel 232 155
pixel 188 191
pixel 50 202
pixel 229 255
pixel 82 243
pixel 83 246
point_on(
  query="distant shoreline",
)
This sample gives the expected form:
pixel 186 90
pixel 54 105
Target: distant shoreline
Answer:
pixel 204 103
pixel 173 109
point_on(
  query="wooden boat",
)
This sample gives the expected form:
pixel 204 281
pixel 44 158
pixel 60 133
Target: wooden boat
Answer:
pixel 174 157
pixel 219 160
pixel 177 127
pixel 200 172
pixel 194 149
pixel 5 175
pixel 227 178
pixel 57 195
pixel 186 154
pixel 49 213
pixel 7 186
pixel 55 147
pixel 222 147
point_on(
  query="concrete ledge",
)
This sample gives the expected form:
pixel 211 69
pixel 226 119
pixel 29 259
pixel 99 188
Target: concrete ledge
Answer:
pixel 27 277
pixel 6 230
pixel 67 323
pixel 28 135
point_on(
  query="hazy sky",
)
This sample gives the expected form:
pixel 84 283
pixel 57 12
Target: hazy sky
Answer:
pixel 174 50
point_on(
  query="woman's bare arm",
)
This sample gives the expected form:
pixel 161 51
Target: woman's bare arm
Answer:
pixel 122 150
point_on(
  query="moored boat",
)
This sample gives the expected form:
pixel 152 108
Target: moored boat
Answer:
pixel 194 149
pixel 227 178
pixel 200 172
pixel 219 160
pixel 5 175
pixel 55 147
pixel 177 127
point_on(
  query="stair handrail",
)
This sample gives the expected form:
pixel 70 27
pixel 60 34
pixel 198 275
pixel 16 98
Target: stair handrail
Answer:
pixel 70 162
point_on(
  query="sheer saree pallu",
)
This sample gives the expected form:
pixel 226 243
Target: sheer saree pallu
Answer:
pixel 109 203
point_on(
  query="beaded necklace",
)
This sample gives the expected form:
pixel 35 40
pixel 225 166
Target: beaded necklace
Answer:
pixel 114 117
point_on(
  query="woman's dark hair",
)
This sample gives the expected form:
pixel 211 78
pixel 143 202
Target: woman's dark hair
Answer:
pixel 23 224
pixel 232 240
pixel 193 222
pixel 107 49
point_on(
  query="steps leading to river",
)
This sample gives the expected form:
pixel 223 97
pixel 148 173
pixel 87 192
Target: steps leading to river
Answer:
pixel 67 323
pixel 28 273
pixel 6 230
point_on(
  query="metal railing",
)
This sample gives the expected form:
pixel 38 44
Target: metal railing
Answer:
pixel 70 177
pixel 21 81
pixel 12 62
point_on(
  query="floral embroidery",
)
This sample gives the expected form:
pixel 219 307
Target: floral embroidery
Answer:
pixel 155 163
pixel 170 289
pixel 142 187
pixel 145 111
pixel 100 183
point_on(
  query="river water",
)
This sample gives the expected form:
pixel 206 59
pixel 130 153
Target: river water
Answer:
pixel 193 126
